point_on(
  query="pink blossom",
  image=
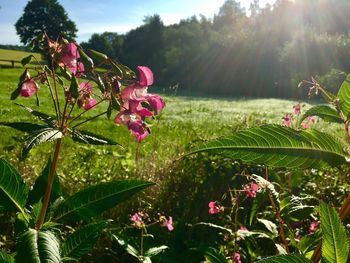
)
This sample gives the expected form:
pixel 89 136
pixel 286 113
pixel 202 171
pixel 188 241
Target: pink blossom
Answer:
pixel 146 76
pixel 29 88
pixel 214 208
pixel 70 58
pixel 156 102
pixel 287 120
pixel 313 227
pixel 89 103
pixel 236 258
pixel 305 125
pixel 243 228
pixel 311 118
pixel 138 130
pixel 297 109
pixel 250 190
pixel 85 88
pixel 137 219
pixel 134 92
pixel 168 223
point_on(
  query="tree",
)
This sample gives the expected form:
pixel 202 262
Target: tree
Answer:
pixel 44 16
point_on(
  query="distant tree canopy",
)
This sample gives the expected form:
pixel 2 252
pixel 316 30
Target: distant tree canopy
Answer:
pixel 44 16
pixel 266 53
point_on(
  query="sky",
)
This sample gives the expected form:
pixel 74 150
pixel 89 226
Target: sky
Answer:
pixel 98 16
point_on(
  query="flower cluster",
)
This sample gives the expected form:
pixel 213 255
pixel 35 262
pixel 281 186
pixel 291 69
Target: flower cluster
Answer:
pixel 288 118
pixel 123 93
pixel 215 208
pixel 139 218
pixel 251 190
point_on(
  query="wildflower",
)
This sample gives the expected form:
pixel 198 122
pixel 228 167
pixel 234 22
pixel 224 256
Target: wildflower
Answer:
pixel 69 58
pixel 312 119
pixel 287 120
pixel 236 258
pixel 85 100
pixel 137 219
pixel 133 98
pixel 309 120
pixel 168 223
pixel 214 208
pixel 297 109
pixel 313 227
pixel 243 228
pixel 250 190
pixel 29 88
pixel 89 103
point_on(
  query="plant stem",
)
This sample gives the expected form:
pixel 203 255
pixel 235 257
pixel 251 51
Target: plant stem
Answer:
pixel 50 180
pixel 52 96
pixel 141 246
pixel 89 119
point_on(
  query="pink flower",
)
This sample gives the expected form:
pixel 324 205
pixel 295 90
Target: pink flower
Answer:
pixel 214 208
pixel 168 223
pixel 305 125
pixel 243 228
pixel 287 120
pixel 85 88
pixel 138 130
pixel 137 219
pixel 156 102
pixel 236 258
pixel 89 103
pixel 313 227
pixel 311 118
pixel 250 190
pixel 146 76
pixel 297 109
pixel 69 58
pixel 134 92
pixel 29 88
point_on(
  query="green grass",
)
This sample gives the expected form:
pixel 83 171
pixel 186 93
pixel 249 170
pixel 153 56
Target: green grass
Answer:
pixel 184 121
pixel 15 55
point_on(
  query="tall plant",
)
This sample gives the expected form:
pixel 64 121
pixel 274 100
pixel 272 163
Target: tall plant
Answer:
pixel 71 79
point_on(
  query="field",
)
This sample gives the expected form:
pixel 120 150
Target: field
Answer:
pixel 184 185
pixel 15 56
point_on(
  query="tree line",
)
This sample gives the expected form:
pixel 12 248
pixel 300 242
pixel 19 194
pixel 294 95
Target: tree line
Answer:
pixel 260 52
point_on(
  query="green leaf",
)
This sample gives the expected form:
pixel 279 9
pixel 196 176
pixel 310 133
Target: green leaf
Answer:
pixel 97 55
pixel 26 60
pixel 270 226
pixel 265 184
pixel 296 258
pixel 90 138
pixel 40 136
pixel 218 227
pixel 23 126
pixel 6 258
pixel 309 242
pixel 344 96
pixel 279 146
pixel 153 251
pixel 323 111
pixel 96 199
pixel 294 208
pixel 74 87
pixel 129 248
pixel 39 115
pixel 39 188
pixel 38 247
pixel 82 240
pixel 88 62
pixel 25 75
pixel 12 187
pixel 214 256
pixel 335 245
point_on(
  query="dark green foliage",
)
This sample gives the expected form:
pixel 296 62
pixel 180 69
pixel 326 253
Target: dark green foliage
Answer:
pixel 286 259
pixel 6 258
pixel 37 247
pixel 91 138
pixel 325 112
pixel 44 16
pixel 13 190
pixel 96 199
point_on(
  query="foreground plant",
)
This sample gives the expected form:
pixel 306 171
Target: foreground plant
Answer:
pixel 297 145
pixel 71 80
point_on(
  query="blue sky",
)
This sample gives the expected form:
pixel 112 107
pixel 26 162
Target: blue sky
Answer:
pixel 98 16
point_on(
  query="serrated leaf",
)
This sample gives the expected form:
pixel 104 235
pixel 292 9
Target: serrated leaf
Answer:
pixel 265 184
pixel 325 112
pixel 296 258
pixel 294 208
pixel 96 199
pixel 335 245
pixel 26 60
pixel 74 87
pixel 91 138
pixel 214 256
pixel 215 226
pixel 153 251
pixel 270 226
pixel 38 247
pixel 24 126
pixel 279 146
pixel 40 136
pixel 344 96
pixel 12 187
pixel 39 115
pixel 129 248
pixel 6 258
pixel 82 240
pixel 39 188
